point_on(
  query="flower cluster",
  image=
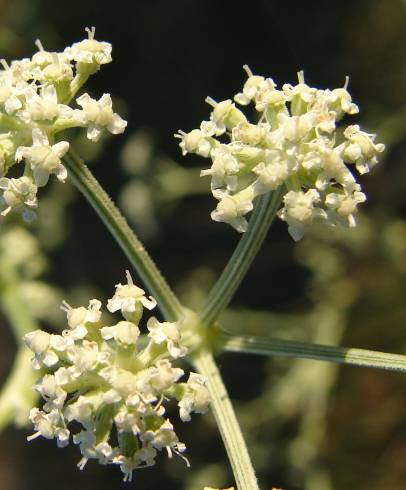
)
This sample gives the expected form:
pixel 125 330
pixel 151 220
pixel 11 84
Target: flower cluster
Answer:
pixel 99 377
pixel 293 145
pixel 34 107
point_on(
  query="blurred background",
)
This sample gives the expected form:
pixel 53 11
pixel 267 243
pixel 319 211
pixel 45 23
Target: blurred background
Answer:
pixel 309 425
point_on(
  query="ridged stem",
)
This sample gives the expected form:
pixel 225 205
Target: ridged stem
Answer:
pixel 268 346
pixel 227 422
pixel 17 395
pixel 242 257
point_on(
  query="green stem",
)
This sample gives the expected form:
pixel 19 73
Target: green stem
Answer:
pixel 125 237
pixel 17 395
pixel 287 348
pixel 74 87
pixel 227 422
pixel 243 256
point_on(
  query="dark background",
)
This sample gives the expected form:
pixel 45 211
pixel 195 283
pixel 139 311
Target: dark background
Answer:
pixel 167 57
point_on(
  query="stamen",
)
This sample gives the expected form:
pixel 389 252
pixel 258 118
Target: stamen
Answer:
pixel 91 32
pixel 82 463
pixel 39 45
pixel 183 457
pixel 210 101
pixel 129 278
pixel 33 436
pixel 300 76
pixel 180 135
pixel 247 70
pixel 66 306
pixel 128 477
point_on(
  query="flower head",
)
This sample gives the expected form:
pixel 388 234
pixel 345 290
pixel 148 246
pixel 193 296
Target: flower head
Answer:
pixel 34 99
pixel 89 51
pixel 291 148
pixel 99 382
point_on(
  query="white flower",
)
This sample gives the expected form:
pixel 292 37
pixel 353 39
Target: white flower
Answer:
pixel 19 194
pixel 340 100
pixel 37 341
pixel 270 176
pixel 252 87
pixel 42 57
pixel 361 149
pixel 53 67
pixel 58 71
pixel 80 410
pixel 329 165
pixel 80 318
pixel 40 343
pixel 194 142
pixel 99 114
pixel 299 211
pixel 162 376
pixel 5 95
pixel 231 209
pixel 123 382
pixel 43 158
pixel 86 357
pixel 128 298
pixel 19 70
pixel 300 91
pixel 225 115
pixel 12 102
pixel 268 98
pixel 345 204
pixel 90 51
pixel 47 425
pixel 224 169
pixel 299 206
pixel 295 128
pixel 125 333
pixel 63 375
pixel 167 332
pixel 51 391
pixel 196 397
pixel 143 458
pixel 250 134
pixel 164 438
pixel 127 421
pixel 42 106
